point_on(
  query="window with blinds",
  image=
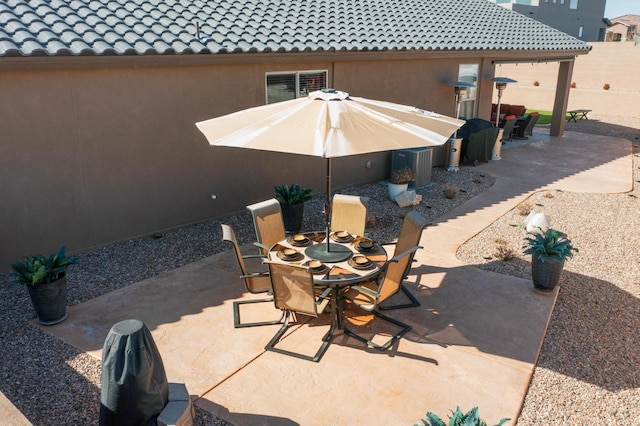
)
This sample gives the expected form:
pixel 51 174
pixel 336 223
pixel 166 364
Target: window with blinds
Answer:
pixel 291 85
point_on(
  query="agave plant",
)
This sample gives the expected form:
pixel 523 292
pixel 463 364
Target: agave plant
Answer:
pixel 292 194
pixel 38 269
pixel 457 418
pixel 550 244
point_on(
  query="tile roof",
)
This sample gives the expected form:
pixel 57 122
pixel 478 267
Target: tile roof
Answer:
pixel 166 27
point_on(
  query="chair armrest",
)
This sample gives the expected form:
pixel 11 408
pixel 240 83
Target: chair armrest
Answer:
pixel 365 290
pixel 262 246
pixel 255 275
pixel 254 256
pixel 324 295
pixel 405 253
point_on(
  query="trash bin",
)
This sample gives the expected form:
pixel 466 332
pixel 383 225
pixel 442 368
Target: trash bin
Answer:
pixel 134 383
pixel 454 154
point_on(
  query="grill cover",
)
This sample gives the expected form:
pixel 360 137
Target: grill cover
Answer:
pixel 134 384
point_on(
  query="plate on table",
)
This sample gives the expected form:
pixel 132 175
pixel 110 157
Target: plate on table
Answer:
pixel 341 237
pixel 289 254
pixel 360 262
pixel 299 240
pixel 316 267
pixel 366 245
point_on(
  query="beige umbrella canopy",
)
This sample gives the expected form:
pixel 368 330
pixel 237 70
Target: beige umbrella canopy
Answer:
pixel 330 123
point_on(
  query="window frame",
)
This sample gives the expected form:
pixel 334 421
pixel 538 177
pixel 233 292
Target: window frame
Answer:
pixel 296 73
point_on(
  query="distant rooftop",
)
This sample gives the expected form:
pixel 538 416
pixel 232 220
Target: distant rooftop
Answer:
pixel 169 27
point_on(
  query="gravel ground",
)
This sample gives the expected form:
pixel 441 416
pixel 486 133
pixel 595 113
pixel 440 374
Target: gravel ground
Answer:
pixel 588 369
pixel 52 383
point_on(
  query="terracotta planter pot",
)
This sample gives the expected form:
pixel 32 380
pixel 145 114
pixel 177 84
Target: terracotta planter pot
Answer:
pixel 545 275
pixel 50 301
pixel 292 215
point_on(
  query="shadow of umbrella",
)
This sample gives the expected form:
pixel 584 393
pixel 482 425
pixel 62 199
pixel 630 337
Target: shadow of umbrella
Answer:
pixel 329 123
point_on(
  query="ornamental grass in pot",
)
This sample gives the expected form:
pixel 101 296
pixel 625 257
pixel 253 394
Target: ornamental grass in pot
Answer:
pixel 46 282
pixel 292 198
pixel 399 181
pixel 549 250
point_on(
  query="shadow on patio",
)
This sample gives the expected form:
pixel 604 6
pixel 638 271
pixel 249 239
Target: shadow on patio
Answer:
pixel 477 334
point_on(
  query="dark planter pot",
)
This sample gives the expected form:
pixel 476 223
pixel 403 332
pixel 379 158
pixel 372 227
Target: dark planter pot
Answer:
pixel 292 216
pixel 50 301
pixel 545 275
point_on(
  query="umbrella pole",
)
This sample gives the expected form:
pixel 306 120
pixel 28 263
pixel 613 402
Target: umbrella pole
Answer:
pixel 330 253
pixel 327 204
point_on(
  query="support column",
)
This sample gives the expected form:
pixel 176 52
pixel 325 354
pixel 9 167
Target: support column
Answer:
pixel 563 85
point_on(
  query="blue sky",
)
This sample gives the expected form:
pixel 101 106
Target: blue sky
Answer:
pixel 617 8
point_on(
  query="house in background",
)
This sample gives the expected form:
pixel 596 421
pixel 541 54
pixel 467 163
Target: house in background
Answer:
pixel 582 19
pixel 624 28
pixel 100 99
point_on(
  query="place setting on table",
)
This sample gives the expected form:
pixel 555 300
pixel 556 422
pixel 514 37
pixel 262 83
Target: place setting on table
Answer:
pixel 365 259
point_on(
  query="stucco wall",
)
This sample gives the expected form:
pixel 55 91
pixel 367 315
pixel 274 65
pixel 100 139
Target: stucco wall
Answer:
pixel 99 150
pixel 614 63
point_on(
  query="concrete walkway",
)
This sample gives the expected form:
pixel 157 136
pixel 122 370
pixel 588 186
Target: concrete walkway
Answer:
pixel 475 338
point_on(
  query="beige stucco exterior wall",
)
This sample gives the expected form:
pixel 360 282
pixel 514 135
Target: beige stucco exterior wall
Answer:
pixel 614 63
pixel 97 150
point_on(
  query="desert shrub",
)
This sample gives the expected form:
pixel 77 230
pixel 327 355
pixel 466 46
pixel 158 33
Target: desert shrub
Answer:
pixel 450 190
pixel 524 209
pixel 502 249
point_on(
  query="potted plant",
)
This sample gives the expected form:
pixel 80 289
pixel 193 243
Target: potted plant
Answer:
pixel 548 249
pixel 292 198
pixel 470 418
pixel 399 181
pixel 46 281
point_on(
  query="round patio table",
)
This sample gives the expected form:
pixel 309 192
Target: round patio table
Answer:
pixel 338 275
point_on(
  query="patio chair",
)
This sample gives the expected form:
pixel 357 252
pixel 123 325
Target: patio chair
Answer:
pixel 294 292
pixel 410 235
pixel 268 222
pixel 368 296
pixel 349 213
pixel 256 283
pixel 508 126
pixel 525 127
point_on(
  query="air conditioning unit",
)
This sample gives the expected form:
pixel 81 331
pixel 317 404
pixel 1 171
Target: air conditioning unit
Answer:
pixel 418 160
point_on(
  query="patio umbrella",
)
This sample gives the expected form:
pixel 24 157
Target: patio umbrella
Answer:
pixel 329 123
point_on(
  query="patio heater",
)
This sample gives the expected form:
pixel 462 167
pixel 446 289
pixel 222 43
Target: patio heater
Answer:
pixel 455 143
pixel 501 84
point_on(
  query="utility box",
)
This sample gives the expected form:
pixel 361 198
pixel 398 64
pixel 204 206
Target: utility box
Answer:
pixel 417 159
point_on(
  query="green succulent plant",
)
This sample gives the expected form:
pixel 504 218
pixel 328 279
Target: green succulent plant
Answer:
pixel 550 244
pixel 457 418
pixel 292 194
pixel 38 269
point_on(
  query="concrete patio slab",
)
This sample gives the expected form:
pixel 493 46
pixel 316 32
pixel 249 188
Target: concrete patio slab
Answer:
pixel 475 338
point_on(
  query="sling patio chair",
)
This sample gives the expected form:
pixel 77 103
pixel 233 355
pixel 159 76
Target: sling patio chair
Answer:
pixel 525 127
pixel 256 282
pixel 369 295
pixel 294 293
pixel 268 222
pixel 410 235
pixel 349 213
pixel 508 126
